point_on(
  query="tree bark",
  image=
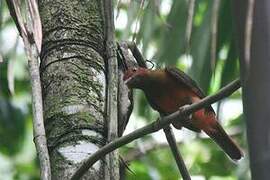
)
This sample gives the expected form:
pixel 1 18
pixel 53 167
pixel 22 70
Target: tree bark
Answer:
pixel 74 84
pixel 256 85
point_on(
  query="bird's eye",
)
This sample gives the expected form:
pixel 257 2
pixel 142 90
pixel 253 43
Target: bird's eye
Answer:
pixel 134 69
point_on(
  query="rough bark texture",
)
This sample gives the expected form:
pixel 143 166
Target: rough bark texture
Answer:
pixel 256 86
pixel 73 83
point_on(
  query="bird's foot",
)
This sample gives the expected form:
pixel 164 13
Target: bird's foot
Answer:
pixel 182 110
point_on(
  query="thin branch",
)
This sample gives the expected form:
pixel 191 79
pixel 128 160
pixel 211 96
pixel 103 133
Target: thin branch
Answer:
pixel 112 169
pixel 35 23
pixel 137 153
pixel 15 12
pixel 137 54
pixel 248 36
pixel 176 153
pixel 155 126
pixel 214 25
pixel 39 130
pixel 191 4
pixel 32 53
pixel 137 19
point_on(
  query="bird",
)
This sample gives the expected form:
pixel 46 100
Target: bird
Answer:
pixel 170 88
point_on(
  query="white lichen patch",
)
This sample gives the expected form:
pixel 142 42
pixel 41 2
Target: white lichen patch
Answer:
pixel 88 132
pixel 73 109
pixel 79 152
pixel 68 54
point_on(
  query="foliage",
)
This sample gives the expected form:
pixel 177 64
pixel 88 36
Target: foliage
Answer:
pixel 161 37
pixel 159 29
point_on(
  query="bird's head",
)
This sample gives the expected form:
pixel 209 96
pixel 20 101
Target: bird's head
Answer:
pixel 135 77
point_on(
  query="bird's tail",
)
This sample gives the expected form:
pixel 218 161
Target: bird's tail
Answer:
pixel 218 134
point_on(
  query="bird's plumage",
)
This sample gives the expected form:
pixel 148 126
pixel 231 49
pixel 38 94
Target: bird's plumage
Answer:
pixel 168 89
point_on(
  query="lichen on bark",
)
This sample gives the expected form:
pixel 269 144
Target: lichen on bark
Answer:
pixel 73 83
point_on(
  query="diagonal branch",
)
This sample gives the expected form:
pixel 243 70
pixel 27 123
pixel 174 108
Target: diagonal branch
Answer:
pixel 155 126
pixel 136 53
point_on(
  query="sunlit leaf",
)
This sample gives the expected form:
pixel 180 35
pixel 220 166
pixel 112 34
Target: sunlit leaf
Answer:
pixel 173 39
pixel 200 51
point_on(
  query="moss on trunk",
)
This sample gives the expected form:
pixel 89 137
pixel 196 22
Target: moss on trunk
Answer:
pixel 73 82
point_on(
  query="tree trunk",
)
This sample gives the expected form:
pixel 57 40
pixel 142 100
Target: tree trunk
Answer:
pixel 73 83
pixel 256 86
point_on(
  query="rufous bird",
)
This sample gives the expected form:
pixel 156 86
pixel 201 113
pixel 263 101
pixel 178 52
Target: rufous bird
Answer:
pixel 168 89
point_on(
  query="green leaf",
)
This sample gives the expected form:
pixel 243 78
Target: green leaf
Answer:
pixel 148 25
pixel 200 51
pixel 173 40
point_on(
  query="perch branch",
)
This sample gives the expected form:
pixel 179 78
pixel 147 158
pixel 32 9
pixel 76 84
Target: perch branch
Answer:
pixel 155 126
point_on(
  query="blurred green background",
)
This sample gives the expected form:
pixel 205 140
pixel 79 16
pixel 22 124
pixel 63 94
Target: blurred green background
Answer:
pixel 158 27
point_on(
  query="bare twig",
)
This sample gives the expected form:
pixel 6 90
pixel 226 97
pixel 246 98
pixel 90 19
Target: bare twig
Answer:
pixel 248 36
pixel 10 68
pixel 112 170
pixel 137 54
pixel 214 25
pixel 176 153
pixel 137 153
pixel 32 52
pixel 39 130
pixel 155 126
pixel 35 22
pixel 191 4
pixel 15 12
pixel 118 8
pixel 137 21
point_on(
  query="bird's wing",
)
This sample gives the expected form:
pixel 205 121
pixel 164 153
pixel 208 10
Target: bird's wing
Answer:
pixel 182 78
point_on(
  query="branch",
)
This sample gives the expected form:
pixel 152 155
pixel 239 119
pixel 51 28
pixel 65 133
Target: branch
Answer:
pixel 248 36
pixel 214 25
pixel 176 153
pixel 155 126
pixel 191 4
pixel 137 153
pixel 31 35
pixel 112 168
pixel 137 54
